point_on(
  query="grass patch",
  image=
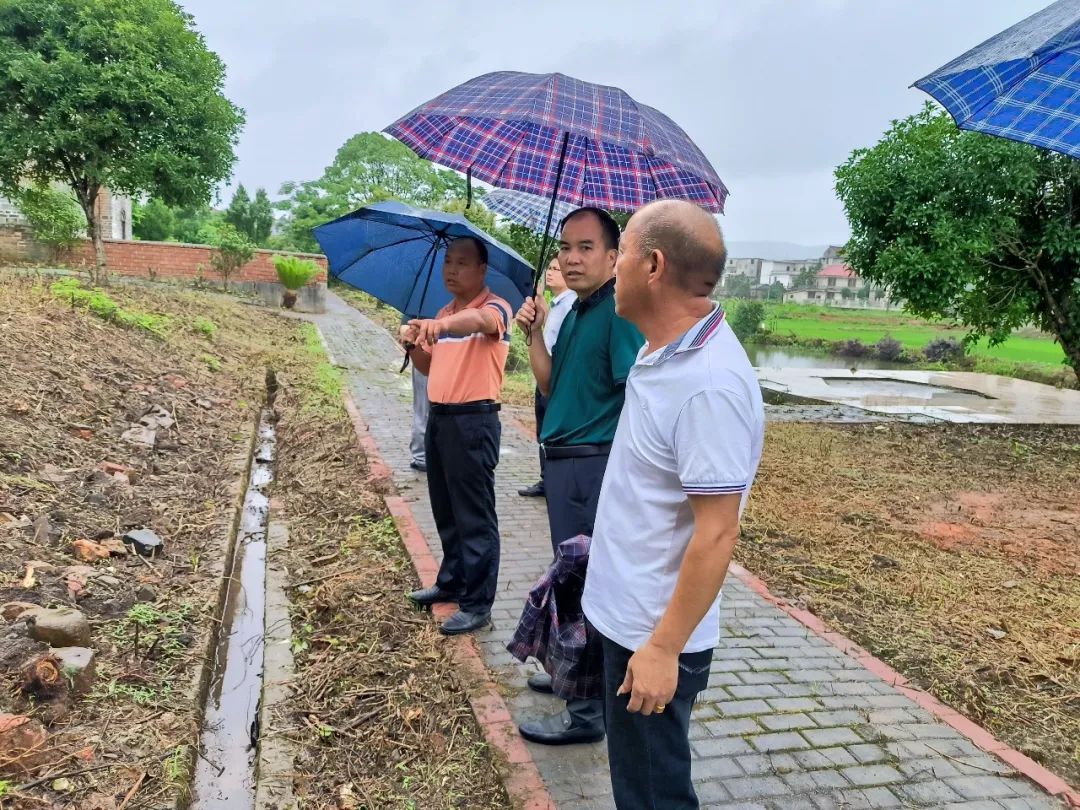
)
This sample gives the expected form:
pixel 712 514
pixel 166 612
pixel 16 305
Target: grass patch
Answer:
pixel 205 327
pixel 98 303
pixel 322 382
pixel 811 323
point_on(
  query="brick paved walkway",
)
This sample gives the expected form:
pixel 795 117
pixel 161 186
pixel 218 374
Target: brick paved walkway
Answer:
pixel 788 721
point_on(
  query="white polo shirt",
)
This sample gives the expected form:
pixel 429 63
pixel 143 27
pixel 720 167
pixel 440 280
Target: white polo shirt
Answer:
pixel 561 304
pixel 693 424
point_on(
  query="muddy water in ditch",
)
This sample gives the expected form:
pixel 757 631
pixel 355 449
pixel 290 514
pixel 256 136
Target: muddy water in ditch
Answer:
pixel 225 773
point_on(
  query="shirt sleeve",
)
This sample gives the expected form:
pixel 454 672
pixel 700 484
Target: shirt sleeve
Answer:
pixel 502 315
pixel 625 341
pixel 713 443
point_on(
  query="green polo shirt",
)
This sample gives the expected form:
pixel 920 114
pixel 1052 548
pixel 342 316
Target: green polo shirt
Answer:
pixel 592 358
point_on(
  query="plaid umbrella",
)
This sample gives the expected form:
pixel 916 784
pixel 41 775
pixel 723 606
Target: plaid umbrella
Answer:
pixel 564 139
pixel 1022 84
pixel 515 130
pixel 526 209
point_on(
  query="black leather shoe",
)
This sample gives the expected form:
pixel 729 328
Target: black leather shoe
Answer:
pixel 429 596
pixel 462 622
pixel 559 730
pixel 416 465
pixel 535 491
pixel 540 682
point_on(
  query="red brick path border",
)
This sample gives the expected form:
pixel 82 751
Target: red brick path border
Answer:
pixel 521 778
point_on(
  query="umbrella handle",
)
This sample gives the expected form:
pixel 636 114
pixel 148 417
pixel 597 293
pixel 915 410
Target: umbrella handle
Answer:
pixel 405 363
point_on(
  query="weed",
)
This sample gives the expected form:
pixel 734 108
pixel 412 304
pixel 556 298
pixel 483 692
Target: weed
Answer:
pixel 156 630
pixel 176 766
pixel 309 334
pixel 205 327
pixel 5 787
pixel 100 304
pixel 212 363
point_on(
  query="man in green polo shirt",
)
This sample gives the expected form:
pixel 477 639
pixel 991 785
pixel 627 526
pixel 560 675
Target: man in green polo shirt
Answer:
pixel 584 383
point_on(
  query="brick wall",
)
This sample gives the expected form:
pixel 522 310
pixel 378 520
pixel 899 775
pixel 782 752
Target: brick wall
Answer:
pixel 171 261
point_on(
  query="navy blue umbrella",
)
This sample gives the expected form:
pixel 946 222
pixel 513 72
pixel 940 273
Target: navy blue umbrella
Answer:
pixel 395 252
pixel 1022 84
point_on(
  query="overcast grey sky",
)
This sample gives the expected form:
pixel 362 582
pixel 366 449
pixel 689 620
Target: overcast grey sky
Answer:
pixel 776 92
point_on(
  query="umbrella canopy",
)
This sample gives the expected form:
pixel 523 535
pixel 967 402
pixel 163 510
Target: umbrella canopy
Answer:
pixel 1023 84
pixel 550 134
pixel 395 253
pixel 526 209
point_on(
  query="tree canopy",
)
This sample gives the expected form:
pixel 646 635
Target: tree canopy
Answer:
pixel 118 94
pixel 367 168
pixel 969 227
pixel 254 218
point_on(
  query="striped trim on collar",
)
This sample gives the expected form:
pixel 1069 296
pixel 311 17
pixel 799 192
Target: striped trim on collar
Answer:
pixel 696 336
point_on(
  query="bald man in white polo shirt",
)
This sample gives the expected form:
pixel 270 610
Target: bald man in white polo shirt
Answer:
pixel 684 457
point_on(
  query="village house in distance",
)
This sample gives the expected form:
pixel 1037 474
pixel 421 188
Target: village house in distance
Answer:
pixel 825 281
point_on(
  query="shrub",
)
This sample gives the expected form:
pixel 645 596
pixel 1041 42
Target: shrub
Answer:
pixel 518 360
pixel 944 350
pixel 233 251
pixel 747 318
pixel 205 327
pixel 294 272
pixel 851 348
pixel 55 217
pixel 889 349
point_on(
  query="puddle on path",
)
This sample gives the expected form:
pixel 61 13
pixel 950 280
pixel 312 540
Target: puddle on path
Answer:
pixel 225 772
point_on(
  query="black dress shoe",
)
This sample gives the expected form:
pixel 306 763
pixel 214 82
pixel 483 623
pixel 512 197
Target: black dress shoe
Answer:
pixel 429 596
pixel 535 491
pixel 540 682
pixel 559 729
pixel 462 622
pixel 418 466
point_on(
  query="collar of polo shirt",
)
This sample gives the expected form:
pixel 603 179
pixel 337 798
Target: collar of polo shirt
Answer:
pixel 693 338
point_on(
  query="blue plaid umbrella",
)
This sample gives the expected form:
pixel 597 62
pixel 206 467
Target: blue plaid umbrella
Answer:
pixel 1023 84
pixel 526 209
pixel 395 252
pixel 564 139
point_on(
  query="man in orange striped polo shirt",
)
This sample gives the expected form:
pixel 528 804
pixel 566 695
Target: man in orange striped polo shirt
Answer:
pixel 463 351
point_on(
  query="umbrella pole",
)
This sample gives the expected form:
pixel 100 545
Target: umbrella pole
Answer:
pixel 551 212
pixel 433 252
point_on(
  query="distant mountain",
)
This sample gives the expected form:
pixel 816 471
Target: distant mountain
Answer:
pixel 774 250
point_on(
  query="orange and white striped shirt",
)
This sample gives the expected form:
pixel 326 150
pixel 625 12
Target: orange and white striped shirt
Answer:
pixel 470 368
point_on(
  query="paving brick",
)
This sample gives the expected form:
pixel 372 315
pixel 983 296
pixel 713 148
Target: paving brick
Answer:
pixel 763 690
pixel 763 677
pixel 980 787
pixel 785 741
pixel 801 704
pixel 785 722
pixel 824 737
pixel 735 726
pixel 722 747
pixel 742 708
pixel 872 775
pixel 755 787
pixel 755 764
pixel 716 768
pixel 933 792
pixel 867 753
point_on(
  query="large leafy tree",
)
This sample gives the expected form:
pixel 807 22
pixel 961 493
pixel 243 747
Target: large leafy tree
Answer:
pixel 122 94
pixel 254 218
pixel 965 226
pixel 367 168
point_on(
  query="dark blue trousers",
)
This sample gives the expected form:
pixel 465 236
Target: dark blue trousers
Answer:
pixel 649 756
pixel 462 452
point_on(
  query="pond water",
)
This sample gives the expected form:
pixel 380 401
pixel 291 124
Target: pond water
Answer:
pixel 794 357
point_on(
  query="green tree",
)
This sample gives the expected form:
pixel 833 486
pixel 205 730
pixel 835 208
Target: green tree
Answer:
pixel 807 277
pixel 262 218
pixel 747 319
pixel 776 291
pixel 233 251
pixel 53 215
pixel 238 214
pixel 863 293
pixel 965 226
pixel 154 221
pixel 367 168
pixel 118 94
pixel 738 286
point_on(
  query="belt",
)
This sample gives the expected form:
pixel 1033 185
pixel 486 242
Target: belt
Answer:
pixel 576 450
pixel 455 409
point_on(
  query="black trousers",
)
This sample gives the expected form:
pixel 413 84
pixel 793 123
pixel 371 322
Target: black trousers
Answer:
pixel 462 452
pixel 573 492
pixel 649 757
pixel 539 409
